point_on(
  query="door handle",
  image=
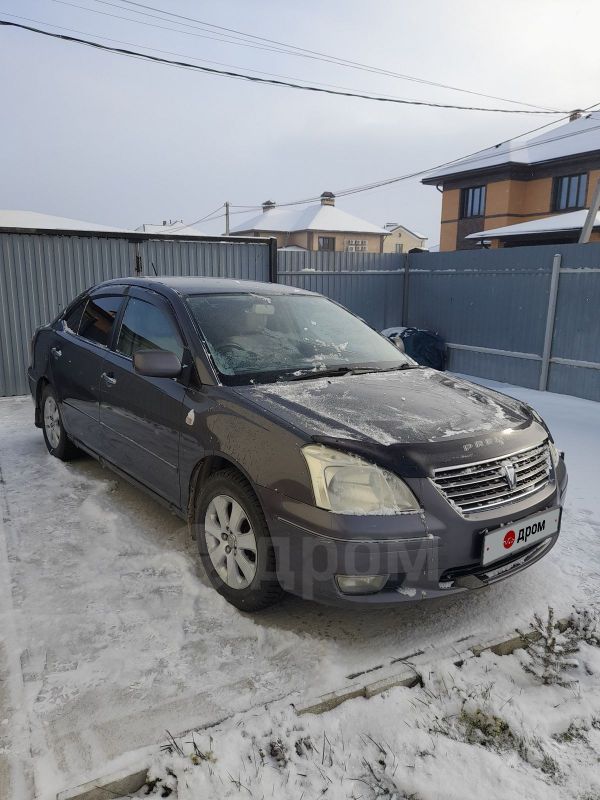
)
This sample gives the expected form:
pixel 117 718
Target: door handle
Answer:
pixel 108 379
pixel 56 352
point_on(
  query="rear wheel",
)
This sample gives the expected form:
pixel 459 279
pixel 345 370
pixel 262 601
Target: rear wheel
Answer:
pixel 234 542
pixel 55 436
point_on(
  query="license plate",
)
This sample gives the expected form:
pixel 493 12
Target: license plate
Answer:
pixel 503 542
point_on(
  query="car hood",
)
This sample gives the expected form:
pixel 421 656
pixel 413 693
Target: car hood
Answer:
pixel 402 407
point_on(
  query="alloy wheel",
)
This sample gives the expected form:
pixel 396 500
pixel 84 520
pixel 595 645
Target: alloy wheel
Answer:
pixel 52 423
pixel 230 541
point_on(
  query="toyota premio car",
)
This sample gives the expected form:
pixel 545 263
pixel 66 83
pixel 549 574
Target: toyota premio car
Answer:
pixel 307 453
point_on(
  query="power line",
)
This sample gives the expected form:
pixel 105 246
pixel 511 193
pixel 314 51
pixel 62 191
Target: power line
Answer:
pixel 254 79
pixel 208 218
pixel 223 38
pixel 304 52
pixel 174 53
pixel 236 40
pixel 470 158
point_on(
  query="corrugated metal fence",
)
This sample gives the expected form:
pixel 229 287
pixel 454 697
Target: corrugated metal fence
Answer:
pixel 527 315
pixel 503 314
pixel 244 261
pixel 41 273
pixel 370 284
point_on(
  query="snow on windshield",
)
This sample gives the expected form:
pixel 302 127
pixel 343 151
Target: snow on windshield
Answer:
pixel 282 334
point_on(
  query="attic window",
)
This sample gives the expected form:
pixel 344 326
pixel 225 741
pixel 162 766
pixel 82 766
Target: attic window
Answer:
pixel 570 192
pixel 472 202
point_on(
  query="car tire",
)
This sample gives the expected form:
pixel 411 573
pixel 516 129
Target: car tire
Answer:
pixel 234 542
pixel 55 436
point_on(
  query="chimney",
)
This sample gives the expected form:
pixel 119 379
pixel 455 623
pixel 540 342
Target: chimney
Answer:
pixel 268 205
pixel 577 114
pixel 389 226
pixel 164 221
pixel 328 199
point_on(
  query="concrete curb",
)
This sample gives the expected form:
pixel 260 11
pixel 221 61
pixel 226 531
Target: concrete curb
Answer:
pixel 414 667
pixel 518 642
pixel 407 672
pixel 119 784
pixel 327 702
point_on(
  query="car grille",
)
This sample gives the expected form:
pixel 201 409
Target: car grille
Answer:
pixel 485 484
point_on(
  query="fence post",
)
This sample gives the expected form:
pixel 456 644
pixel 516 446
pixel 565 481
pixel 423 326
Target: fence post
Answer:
pixel 138 266
pixel 273 260
pixel 550 317
pixel 405 290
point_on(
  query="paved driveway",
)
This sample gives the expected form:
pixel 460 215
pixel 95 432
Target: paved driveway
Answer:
pixel 109 637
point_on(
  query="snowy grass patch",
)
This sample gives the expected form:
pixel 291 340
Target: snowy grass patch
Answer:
pixel 489 726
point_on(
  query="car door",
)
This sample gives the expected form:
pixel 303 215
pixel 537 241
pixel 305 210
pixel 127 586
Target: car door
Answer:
pixel 141 418
pixel 77 351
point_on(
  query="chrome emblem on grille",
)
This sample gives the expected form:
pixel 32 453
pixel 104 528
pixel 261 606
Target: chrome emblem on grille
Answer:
pixel 509 472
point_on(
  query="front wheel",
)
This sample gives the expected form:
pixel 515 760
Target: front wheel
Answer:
pixel 234 542
pixel 55 436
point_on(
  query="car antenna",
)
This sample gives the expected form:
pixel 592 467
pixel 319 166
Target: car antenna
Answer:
pixel 154 268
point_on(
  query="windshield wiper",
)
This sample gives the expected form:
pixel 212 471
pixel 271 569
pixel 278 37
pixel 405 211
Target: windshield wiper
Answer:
pixel 394 369
pixel 304 375
pixel 339 371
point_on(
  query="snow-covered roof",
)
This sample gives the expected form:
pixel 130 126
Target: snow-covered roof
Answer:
pixel 572 221
pixel 316 217
pixel 408 230
pixel 175 229
pixel 573 138
pixel 34 220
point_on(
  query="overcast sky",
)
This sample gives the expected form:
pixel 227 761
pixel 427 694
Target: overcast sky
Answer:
pixel 120 141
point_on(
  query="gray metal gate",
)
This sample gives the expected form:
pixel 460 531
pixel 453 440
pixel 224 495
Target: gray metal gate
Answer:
pixel 41 273
pixel 247 261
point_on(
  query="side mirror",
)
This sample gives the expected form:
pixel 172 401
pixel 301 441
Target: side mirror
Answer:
pixel 156 364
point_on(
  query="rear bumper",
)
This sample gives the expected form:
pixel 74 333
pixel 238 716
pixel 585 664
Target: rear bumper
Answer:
pixel 433 554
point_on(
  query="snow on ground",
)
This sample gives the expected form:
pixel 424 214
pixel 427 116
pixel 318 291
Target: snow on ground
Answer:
pixel 483 729
pixel 117 638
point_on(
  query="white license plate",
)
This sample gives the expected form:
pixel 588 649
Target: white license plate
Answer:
pixel 503 542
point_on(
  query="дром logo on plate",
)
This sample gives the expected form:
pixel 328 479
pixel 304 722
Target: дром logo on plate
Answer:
pixel 509 540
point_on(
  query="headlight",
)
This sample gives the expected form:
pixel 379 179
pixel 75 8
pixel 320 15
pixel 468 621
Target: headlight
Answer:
pixel 346 484
pixel 554 454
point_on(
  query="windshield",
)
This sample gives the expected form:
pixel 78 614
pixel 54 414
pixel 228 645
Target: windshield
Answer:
pixel 259 338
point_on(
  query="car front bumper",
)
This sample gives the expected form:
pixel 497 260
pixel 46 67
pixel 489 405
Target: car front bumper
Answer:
pixel 434 553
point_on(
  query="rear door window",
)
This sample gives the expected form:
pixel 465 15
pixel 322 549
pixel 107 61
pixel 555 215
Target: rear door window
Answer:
pixel 72 320
pixel 98 319
pixel 146 327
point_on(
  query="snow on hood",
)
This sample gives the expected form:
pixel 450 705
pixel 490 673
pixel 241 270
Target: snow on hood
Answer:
pixel 407 407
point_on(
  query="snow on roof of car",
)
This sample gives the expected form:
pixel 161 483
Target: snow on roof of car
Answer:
pixel 572 221
pixel 34 220
pixel 577 136
pixel 315 217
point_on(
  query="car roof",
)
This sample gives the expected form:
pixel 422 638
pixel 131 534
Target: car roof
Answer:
pixel 199 285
